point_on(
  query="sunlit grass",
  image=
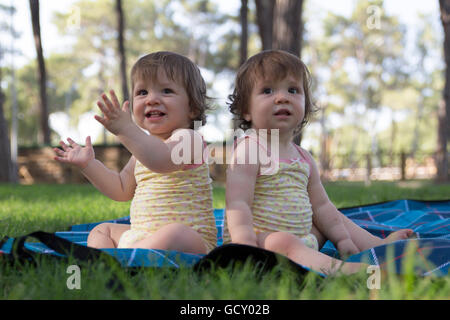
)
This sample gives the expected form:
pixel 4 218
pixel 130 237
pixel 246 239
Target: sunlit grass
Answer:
pixel 24 209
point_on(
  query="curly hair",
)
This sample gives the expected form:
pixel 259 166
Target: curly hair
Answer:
pixel 272 65
pixel 180 69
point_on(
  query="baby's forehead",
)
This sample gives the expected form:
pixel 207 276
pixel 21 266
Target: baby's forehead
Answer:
pixel 157 75
pixel 260 79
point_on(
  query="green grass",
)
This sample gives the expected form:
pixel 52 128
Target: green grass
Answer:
pixel 24 209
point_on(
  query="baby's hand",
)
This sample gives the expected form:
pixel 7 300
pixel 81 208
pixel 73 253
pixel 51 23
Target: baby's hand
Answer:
pixel 75 154
pixel 346 247
pixel 114 118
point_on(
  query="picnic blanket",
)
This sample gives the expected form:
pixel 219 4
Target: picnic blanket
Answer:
pixel 430 220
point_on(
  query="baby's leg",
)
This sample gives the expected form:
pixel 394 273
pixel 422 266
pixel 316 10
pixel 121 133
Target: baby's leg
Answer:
pixel 174 236
pixel 291 246
pixel 106 235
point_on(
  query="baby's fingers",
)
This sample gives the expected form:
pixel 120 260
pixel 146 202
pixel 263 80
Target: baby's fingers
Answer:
pixel 102 120
pixel 104 109
pixel 114 99
pixel 72 143
pixel 88 142
pixel 58 151
pixel 112 106
pixel 64 146
pixel 62 159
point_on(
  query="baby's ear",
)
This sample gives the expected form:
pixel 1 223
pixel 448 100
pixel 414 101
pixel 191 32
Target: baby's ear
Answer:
pixel 247 117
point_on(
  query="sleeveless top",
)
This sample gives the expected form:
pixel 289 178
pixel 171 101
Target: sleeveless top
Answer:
pixel 281 200
pixel 183 196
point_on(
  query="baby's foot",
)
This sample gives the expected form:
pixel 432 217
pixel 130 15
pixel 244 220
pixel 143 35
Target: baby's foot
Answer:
pixel 399 235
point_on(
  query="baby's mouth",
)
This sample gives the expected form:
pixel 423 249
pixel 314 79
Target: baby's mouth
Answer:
pixel 154 114
pixel 282 112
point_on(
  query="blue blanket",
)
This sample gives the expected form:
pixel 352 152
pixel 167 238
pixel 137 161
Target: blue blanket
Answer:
pixel 429 219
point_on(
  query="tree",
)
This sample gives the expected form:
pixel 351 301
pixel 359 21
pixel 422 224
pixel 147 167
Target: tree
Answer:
pixel 288 26
pixel 264 17
pixel 244 32
pixel 121 48
pixel 280 24
pixel 7 166
pixel 45 130
pixel 444 106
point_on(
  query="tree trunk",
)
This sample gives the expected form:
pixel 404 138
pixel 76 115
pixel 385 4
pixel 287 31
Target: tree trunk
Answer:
pixel 288 26
pixel 121 49
pixel 45 130
pixel 244 31
pixel 6 165
pixel 444 107
pixel 264 19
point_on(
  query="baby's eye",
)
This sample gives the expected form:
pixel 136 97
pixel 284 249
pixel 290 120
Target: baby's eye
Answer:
pixel 167 90
pixel 141 92
pixel 267 90
pixel 294 90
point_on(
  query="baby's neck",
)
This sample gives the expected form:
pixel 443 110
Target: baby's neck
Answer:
pixel 271 140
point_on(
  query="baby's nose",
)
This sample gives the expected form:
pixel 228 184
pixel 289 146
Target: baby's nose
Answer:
pixel 281 97
pixel 152 98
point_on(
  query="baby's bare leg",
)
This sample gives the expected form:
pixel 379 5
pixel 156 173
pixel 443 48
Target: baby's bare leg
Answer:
pixel 174 236
pixel 291 246
pixel 106 235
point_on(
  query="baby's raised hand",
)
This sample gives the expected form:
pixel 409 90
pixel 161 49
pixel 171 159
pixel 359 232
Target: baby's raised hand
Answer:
pixel 115 119
pixel 75 154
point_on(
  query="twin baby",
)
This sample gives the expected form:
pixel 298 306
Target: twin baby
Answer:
pixel 286 211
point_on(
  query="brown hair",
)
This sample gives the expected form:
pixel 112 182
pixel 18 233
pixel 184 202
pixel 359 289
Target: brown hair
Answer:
pixel 180 69
pixel 274 65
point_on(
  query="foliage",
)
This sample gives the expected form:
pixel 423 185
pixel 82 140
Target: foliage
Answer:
pixel 362 79
pixel 371 98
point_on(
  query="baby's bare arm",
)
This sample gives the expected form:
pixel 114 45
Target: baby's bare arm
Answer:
pixel 325 215
pixel 119 186
pixel 240 187
pixel 115 185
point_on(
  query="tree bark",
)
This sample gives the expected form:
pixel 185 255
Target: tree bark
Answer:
pixel 6 165
pixel 45 130
pixel 288 26
pixel 244 31
pixel 264 19
pixel 444 106
pixel 121 49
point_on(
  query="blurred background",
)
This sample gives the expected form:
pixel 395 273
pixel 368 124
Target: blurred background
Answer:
pixel 379 77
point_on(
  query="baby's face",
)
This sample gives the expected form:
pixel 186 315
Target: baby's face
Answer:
pixel 162 106
pixel 277 104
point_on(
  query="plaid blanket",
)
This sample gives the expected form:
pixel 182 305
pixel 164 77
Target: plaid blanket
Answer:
pixel 429 219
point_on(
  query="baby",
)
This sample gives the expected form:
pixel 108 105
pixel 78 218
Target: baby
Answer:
pixel 285 210
pixel 171 206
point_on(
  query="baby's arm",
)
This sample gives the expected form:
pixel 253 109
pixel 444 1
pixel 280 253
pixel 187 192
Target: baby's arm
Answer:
pixel 325 215
pixel 240 187
pixel 117 186
pixel 152 152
